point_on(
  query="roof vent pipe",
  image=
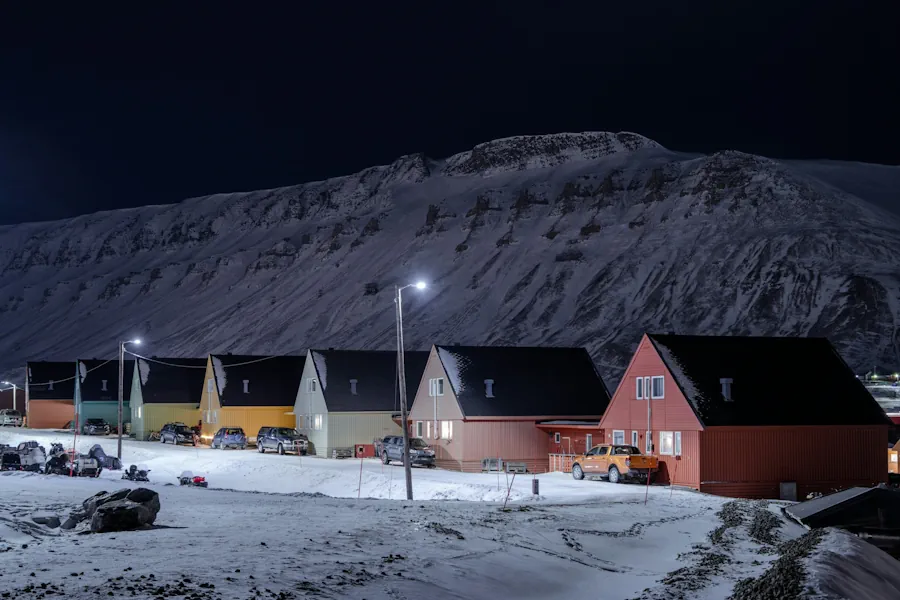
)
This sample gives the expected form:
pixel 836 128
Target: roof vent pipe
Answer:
pixel 726 388
pixel 353 386
pixel 246 386
pixel 488 388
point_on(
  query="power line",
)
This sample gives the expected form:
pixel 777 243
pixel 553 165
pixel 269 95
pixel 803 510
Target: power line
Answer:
pixel 73 377
pixel 153 360
pixel 224 366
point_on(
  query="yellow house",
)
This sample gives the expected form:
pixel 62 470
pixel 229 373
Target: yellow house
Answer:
pixel 249 392
pixel 164 390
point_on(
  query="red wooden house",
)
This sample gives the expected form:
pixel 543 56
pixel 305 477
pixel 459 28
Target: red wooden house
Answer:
pixel 730 416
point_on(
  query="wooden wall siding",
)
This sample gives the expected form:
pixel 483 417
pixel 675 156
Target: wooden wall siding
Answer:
pixel 684 470
pixel 572 441
pixel 210 401
pixel 751 461
pixel 518 441
pixel 672 413
pixel 251 418
pixel 347 430
pixel 308 404
pixel 154 416
pixel 106 410
pixel 447 451
pixel 318 438
pixel 422 407
pixel 50 414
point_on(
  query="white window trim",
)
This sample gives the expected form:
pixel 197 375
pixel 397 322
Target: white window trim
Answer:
pixel 420 429
pixel 646 388
pixel 436 387
pixel 428 430
pixel 662 380
pixel 648 442
pixel 588 442
pixel 662 446
pixel 639 388
pixel 615 431
pixel 447 430
pixel 635 439
pixel 557 438
pixel 677 443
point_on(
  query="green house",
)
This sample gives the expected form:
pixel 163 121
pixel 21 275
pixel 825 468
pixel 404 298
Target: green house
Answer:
pixel 97 391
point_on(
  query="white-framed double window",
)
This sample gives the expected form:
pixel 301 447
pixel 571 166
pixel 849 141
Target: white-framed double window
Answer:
pixel 639 388
pixel 619 437
pixel 447 430
pixel 670 443
pixel 649 388
pixel 635 439
pixel 420 429
pixel 657 387
pixel 436 387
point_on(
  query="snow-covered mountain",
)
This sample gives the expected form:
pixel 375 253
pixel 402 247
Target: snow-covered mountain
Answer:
pixel 586 239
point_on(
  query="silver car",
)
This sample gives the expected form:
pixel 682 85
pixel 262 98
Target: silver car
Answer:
pixel 10 417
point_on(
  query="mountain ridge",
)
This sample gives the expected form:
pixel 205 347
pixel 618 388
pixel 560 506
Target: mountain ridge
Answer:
pixel 586 239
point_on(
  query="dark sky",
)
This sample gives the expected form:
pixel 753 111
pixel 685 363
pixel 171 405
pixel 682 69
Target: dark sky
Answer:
pixel 126 106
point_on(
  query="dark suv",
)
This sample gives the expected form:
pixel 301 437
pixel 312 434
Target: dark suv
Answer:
pixel 177 433
pixel 95 427
pixel 282 440
pixel 420 453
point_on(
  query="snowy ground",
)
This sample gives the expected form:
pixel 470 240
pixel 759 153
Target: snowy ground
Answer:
pixel 588 538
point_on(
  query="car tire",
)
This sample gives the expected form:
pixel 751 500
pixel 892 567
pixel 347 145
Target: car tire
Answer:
pixel 260 447
pixel 384 459
pixel 281 449
pixel 243 447
pixel 222 446
pixel 577 472
pixel 614 476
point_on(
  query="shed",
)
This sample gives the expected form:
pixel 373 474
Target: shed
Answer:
pixel 348 398
pixel 727 415
pixel 484 402
pixel 249 392
pixel 50 394
pixel 165 390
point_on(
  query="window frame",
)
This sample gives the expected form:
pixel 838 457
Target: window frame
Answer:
pixel 428 430
pixel 670 436
pixel 648 442
pixel 446 430
pixel 210 386
pixel 557 438
pixel 635 438
pixel 676 444
pixel 588 442
pixel 420 429
pixel 614 442
pixel 436 387
pixel 639 388
pixel 318 422
pixel 662 386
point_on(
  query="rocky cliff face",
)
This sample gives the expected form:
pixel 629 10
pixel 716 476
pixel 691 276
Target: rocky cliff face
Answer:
pixel 585 239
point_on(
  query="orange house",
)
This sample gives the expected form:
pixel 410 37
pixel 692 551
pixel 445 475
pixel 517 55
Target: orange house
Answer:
pixel 50 393
pixel 729 416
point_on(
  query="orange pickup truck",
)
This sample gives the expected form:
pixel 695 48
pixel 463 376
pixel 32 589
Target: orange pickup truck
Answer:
pixel 616 462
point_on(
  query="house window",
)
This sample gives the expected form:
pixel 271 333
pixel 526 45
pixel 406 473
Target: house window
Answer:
pixel 447 430
pixel 139 411
pixel 588 442
pixel 436 387
pixel 648 443
pixel 209 386
pixel 634 438
pixel 639 388
pixel 246 386
pixel 657 389
pixel 310 385
pixel 646 388
pixel 317 422
pixel 666 443
pixel 557 438
pixel 420 429
pixel 428 430
pixel 618 437
pixel 301 422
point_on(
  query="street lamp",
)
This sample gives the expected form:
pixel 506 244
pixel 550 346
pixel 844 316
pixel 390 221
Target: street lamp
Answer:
pixel 14 392
pixel 136 342
pixel 401 369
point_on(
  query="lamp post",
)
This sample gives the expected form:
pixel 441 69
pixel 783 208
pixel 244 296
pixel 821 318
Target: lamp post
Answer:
pixel 136 342
pixel 401 369
pixel 14 392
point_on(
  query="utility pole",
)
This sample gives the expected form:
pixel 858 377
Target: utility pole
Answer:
pixel 401 369
pixel 122 391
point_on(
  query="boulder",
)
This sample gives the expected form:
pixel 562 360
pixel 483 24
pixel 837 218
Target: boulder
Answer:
pixel 135 509
pixel 100 498
pixel 51 521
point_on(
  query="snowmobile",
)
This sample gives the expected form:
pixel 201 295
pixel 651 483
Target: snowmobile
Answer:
pixel 9 459
pixel 188 478
pixel 69 462
pixel 107 462
pixel 32 456
pixel 136 473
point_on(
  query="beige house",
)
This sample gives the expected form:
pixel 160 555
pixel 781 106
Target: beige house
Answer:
pixel 348 398
pixel 484 402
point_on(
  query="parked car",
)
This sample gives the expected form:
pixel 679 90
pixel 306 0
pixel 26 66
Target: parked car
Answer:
pixel 177 433
pixel 229 437
pixel 95 427
pixel 616 463
pixel 391 448
pixel 282 440
pixel 10 417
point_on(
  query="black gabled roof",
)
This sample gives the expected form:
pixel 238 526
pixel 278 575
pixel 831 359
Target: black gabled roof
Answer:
pixel 171 380
pixel 776 381
pixel 41 373
pixel 375 372
pixel 528 382
pixel 272 382
pixel 93 372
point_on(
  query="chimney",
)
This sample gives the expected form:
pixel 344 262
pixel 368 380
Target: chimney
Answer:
pixel 246 386
pixel 50 387
pixel 353 386
pixel 103 386
pixel 488 388
pixel 726 388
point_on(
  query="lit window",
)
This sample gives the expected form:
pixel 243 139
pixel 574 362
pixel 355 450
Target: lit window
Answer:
pixel 658 387
pixel 139 411
pixel 666 443
pixel 420 427
pixel 677 443
pixel 447 430
pixel 436 387
pixel 317 422
pixel 428 430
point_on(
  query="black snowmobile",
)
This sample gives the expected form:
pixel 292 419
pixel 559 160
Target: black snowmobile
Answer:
pixel 107 462
pixel 136 473
pixel 63 462
pixel 9 459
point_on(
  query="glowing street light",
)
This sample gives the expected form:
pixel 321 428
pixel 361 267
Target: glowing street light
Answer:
pixel 136 342
pixel 401 371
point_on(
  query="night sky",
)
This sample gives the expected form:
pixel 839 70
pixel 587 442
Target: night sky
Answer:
pixel 125 107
